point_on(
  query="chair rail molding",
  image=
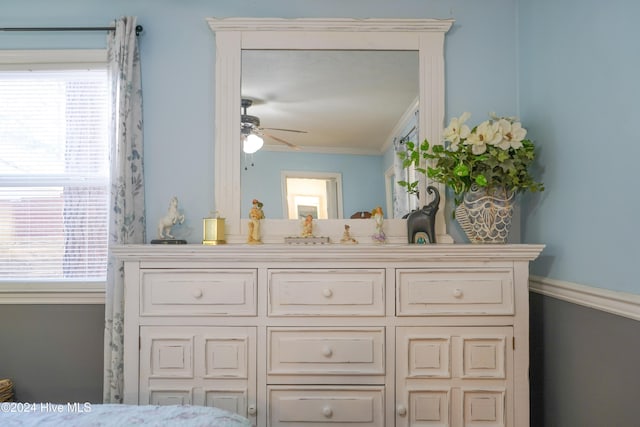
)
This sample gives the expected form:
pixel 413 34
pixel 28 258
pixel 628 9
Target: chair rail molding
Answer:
pixel 614 302
pixel 52 293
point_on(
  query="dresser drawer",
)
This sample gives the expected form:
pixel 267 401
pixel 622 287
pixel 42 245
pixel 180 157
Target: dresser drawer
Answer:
pixel 198 292
pixel 326 292
pixel 326 351
pixel 318 406
pixel 459 292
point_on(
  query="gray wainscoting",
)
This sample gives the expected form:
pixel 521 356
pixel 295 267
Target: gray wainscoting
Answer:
pixel 585 366
pixel 53 353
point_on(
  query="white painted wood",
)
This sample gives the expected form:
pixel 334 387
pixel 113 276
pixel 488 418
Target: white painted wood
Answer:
pixel 454 376
pixel 234 34
pixel 50 57
pixel 345 406
pixel 287 364
pixel 132 340
pixel 193 293
pixel 620 303
pixel 520 415
pixel 484 407
pixel 212 366
pixel 326 293
pixel 326 351
pixel 433 292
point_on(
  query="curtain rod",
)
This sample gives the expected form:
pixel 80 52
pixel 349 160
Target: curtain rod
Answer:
pixel 139 29
pixel 406 137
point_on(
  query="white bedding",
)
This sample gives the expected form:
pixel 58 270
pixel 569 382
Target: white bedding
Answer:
pixel 94 415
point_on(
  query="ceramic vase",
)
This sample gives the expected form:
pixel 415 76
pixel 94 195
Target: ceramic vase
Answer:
pixel 485 215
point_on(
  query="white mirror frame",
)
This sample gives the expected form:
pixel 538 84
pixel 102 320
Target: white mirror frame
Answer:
pixel 235 34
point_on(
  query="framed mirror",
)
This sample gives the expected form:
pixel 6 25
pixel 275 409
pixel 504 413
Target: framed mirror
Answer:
pixel 234 36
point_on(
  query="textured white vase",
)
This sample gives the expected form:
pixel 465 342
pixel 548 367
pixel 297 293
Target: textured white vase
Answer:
pixel 485 216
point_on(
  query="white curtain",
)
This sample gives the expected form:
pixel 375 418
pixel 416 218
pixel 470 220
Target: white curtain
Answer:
pixel 127 216
pixel 400 195
pixel 403 202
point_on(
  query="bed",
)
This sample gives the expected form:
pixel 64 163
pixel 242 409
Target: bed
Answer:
pixel 14 414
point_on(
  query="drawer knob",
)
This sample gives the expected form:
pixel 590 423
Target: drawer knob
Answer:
pixel 327 411
pixel 327 293
pixel 457 293
pixel 327 352
pixel 402 410
pixel 197 293
pixel 251 409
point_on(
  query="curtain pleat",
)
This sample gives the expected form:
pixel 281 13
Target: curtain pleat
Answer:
pixel 127 223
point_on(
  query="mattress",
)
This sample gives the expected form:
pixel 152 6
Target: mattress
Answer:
pixel 112 415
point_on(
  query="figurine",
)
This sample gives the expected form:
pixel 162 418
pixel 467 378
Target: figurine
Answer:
pixel 346 236
pixel 421 222
pixel 172 218
pixel 255 215
pixel 378 216
pixel 307 226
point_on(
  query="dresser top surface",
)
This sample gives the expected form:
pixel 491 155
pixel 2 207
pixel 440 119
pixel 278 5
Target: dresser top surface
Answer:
pixel 328 252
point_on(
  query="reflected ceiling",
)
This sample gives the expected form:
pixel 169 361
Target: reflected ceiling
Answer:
pixel 347 101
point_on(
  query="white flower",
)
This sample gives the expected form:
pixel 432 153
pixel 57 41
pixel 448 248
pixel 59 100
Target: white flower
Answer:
pixel 512 134
pixel 457 131
pixel 487 133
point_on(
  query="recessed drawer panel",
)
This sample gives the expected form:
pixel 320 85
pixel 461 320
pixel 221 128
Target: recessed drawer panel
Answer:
pixel 326 292
pixel 193 293
pixel 343 406
pixel 331 351
pixel 444 292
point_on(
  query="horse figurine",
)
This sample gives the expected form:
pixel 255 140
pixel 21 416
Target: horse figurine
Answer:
pixel 172 218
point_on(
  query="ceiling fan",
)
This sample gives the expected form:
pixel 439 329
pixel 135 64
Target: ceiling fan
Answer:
pixel 252 132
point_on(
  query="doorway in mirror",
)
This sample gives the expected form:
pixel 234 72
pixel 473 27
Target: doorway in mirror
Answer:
pixel 315 194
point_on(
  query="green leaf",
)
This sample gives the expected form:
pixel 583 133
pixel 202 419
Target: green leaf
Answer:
pixel 461 170
pixel 458 169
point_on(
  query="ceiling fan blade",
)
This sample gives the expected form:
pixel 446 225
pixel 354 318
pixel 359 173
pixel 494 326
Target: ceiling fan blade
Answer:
pixel 275 138
pixel 287 130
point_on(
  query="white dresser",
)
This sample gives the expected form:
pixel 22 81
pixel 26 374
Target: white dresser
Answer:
pixel 330 335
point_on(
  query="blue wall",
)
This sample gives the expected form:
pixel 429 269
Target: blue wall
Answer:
pixel 178 51
pixel 572 79
pixel 579 92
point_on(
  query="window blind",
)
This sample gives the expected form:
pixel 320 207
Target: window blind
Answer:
pixel 54 174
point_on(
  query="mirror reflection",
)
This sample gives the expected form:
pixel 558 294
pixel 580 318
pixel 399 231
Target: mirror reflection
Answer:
pixel 312 193
pixel 326 112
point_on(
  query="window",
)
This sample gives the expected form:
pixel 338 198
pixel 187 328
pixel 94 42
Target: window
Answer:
pixel 54 168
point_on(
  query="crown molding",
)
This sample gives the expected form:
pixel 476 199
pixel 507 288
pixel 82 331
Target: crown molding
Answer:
pixel 324 24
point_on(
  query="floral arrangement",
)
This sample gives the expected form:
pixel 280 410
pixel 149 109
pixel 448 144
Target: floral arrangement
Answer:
pixel 493 154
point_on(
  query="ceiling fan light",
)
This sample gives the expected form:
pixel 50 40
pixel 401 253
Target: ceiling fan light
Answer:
pixel 252 143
